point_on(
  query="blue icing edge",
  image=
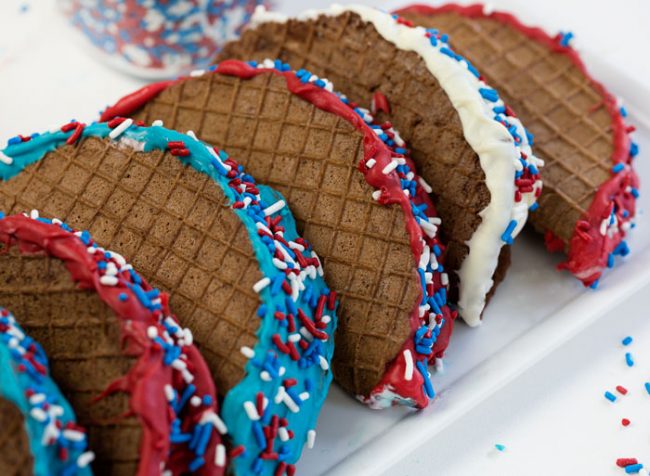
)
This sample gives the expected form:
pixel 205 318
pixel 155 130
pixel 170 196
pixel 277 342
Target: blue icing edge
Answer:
pixel 14 388
pixel 311 371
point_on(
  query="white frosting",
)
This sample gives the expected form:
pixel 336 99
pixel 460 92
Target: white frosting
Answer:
pixel 498 154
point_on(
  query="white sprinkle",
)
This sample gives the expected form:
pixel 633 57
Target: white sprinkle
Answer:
pixel 603 226
pixel 440 365
pixel 408 370
pixel 306 334
pixel 279 395
pixel 276 207
pixel 248 352
pixel 170 394
pixel 187 376
pixel 178 364
pixel 195 401
pixel 50 433
pixel 488 9
pixel 37 398
pixel 296 246
pixel 370 163
pixel 251 411
pixel 283 434
pixel 324 364
pixel 220 456
pixel 157 123
pixel 279 264
pixel 218 423
pixel 192 135
pixel 73 435
pixel 152 332
pixel 320 266
pixel 85 459
pixel 34 214
pixel 108 280
pixel 311 438
pixel 425 257
pixel 282 371
pixel 261 284
pixel 264 375
pixel 5 159
pixel 444 279
pixel 326 319
pixel 56 411
pixel 304 396
pixel 392 165
pixel 376 195
pixel 428 228
pixel 197 73
pixel 119 130
pixel 38 414
pixel 188 337
pixel 291 405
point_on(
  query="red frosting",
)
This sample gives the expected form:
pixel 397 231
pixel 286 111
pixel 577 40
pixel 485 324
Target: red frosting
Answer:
pixel 588 249
pixel 146 380
pixel 390 186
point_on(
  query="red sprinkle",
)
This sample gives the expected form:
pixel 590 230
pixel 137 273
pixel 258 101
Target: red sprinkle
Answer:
pixel 623 462
pixel 625 422
pixel 380 103
pixel 622 390
pixel 238 450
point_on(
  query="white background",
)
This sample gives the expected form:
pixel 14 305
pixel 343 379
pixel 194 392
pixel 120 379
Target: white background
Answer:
pixel 553 419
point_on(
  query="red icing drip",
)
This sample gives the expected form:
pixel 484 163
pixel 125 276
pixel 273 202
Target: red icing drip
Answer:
pixel 588 250
pixel 390 186
pixel 146 380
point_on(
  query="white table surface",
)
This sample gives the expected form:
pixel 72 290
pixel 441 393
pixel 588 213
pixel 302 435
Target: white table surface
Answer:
pixel 553 420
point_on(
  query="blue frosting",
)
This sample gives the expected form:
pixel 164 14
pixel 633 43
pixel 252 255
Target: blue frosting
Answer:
pixel 267 372
pixel 14 388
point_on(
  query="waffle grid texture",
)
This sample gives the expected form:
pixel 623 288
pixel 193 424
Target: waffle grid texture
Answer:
pixel 81 336
pixel 170 221
pixel 15 456
pixel 558 104
pixel 311 157
pixel 354 56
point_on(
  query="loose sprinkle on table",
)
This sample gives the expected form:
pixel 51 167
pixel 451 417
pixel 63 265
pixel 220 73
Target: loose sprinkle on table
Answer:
pixel 500 447
pixel 610 396
pixel 627 341
pixel 629 360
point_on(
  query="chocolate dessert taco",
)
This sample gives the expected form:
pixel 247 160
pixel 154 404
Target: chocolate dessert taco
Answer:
pixel 240 278
pixel 465 142
pixel 131 373
pixel 356 197
pixel 38 430
pixel 590 184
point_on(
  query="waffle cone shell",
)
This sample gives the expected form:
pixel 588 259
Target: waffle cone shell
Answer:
pixel 15 454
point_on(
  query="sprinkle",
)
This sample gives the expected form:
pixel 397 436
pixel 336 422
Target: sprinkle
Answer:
pixel 647 387
pixel 507 235
pixel 108 280
pixel 427 188
pixel 220 456
pixel 408 369
pixel 248 352
pixel 623 462
pixel 622 390
pixel 500 447
pixel 157 123
pixel 392 165
pixel 633 468
pixel 489 94
pixel 370 163
pixel 119 130
pixel 261 284
pixel 311 439
pixel 251 411
pixel 610 396
pixel 627 340
pixel 618 167
pixel 625 422
pixel 276 207
pixel 628 359
pixel 5 159
pixel 85 459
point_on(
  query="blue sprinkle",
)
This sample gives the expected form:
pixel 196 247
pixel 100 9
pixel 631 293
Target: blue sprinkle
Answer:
pixel 489 94
pixel 565 39
pixel 446 51
pixel 618 167
pixel 647 387
pixel 428 388
pixel 610 396
pixel 634 149
pixel 261 311
pixel 534 207
pixel 196 464
pixel 595 284
pixel 257 466
pixel 204 439
pixel 628 359
pixel 627 341
pixel 623 111
pixel 259 434
pixel 633 468
pixel 500 447
pixel 610 260
pixel 507 235
pixel 14 141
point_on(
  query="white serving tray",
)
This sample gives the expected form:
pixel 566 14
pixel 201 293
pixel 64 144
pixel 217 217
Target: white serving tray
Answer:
pixel 534 311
